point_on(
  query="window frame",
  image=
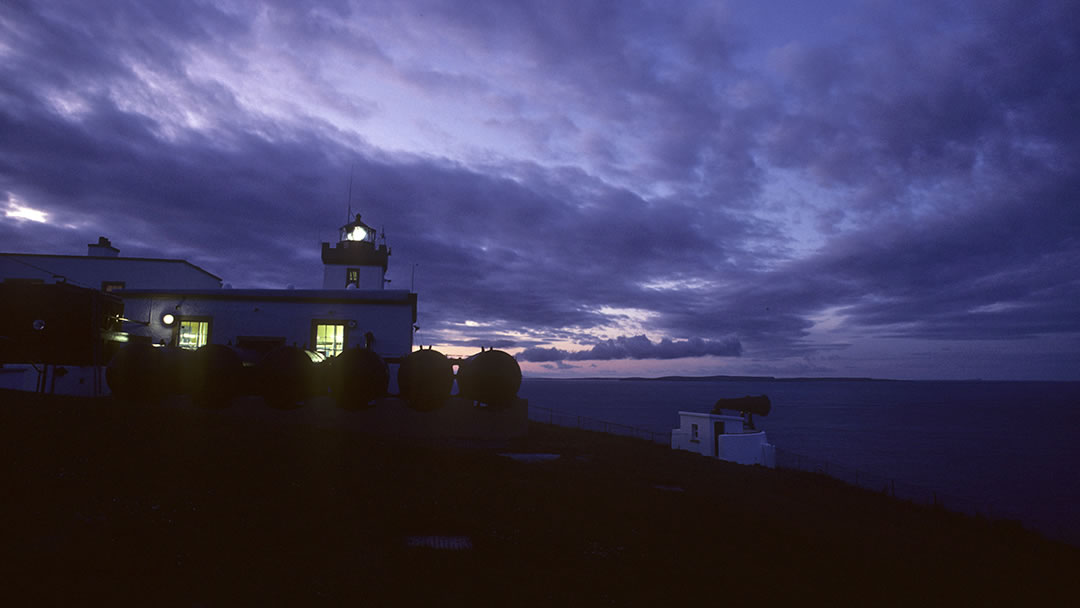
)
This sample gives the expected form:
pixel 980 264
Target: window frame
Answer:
pixel 349 280
pixel 181 319
pixel 315 323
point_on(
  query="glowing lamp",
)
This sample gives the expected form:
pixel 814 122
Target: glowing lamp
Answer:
pixel 356 234
pixel 168 319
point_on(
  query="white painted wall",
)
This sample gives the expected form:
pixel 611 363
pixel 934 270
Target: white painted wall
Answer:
pixel 136 273
pixel 388 314
pixel 733 445
pixel 743 448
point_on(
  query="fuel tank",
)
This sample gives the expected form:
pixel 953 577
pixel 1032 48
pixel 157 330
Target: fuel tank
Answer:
pixel 358 376
pixel 135 373
pixel 216 376
pixel 287 377
pixel 492 377
pixel 176 369
pixel 425 378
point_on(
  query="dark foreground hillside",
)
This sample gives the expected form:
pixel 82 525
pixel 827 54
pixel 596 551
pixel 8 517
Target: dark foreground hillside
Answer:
pixel 106 502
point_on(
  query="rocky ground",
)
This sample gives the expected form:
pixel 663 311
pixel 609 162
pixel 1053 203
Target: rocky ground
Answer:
pixel 106 502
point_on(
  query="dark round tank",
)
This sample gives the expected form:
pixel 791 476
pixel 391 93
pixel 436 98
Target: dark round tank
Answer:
pixel 286 378
pixel 321 375
pixel 491 376
pixel 134 374
pixel 358 377
pixel 176 369
pixel 425 378
pixel 216 376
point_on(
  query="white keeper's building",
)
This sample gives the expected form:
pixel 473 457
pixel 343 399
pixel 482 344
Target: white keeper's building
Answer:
pixel 174 302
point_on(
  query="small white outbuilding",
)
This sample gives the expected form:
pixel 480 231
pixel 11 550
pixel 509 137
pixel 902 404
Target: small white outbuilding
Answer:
pixel 723 436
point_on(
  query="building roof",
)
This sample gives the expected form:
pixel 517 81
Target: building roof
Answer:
pixel 336 296
pixel 354 296
pixel 42 256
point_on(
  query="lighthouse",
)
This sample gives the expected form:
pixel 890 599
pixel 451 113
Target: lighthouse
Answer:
pixel 355 261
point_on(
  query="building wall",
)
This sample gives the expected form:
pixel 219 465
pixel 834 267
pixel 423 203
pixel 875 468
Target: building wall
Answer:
pixel 732 445
pixel 135 273
pixel 389 319
pixel 683 437
pixel 371 277
pixel 745 448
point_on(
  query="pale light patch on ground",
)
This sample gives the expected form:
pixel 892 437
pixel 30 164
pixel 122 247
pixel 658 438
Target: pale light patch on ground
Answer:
pixel 452 543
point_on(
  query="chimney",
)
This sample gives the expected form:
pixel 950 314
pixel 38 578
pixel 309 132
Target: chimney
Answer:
pixel 102 249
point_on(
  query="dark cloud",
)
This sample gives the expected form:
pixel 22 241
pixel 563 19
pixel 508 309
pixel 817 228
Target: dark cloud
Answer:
pixel 913 178
pixel 637 347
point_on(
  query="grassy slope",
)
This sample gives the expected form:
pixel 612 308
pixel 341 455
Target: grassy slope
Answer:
pixel 124 503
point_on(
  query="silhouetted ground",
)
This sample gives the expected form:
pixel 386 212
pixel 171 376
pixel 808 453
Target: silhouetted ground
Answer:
pixel 105 502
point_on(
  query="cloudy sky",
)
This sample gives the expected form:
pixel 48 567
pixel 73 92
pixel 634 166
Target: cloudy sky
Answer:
pixel 790 188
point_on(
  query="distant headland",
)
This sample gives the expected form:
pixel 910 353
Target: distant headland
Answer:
pixel 722 378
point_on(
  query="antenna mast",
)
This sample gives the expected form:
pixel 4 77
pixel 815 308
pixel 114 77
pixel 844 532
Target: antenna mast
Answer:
pixel 349 218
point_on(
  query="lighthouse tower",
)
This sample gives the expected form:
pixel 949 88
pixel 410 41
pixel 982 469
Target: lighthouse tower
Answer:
pixel 355 262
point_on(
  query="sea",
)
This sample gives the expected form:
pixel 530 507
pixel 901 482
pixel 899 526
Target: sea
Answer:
pixel 1008 450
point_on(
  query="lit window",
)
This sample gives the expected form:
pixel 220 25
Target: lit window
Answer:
pixel 330 338
pixel 192 333
pixel 352 277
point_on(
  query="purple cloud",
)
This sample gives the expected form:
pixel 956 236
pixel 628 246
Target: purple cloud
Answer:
pixel 773 193
pixel 637 347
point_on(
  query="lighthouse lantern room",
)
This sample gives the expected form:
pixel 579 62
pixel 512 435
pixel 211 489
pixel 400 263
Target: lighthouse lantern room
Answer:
pixel 355 261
